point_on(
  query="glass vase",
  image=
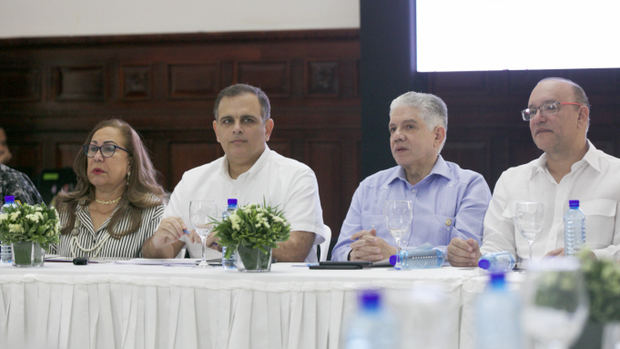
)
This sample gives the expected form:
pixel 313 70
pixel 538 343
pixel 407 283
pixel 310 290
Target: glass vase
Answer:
pixel 253 260
pixel 27 254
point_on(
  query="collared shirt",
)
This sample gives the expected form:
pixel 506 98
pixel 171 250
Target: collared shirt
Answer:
pixel 13 182
pixel 594 181
pixel 99 243
pixel 278 181
pixel 449 202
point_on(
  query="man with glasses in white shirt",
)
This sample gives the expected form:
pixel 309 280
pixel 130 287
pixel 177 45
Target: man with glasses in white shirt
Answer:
pixel 570 168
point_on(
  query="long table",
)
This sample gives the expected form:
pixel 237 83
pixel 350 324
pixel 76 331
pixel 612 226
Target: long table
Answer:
pixel 110 305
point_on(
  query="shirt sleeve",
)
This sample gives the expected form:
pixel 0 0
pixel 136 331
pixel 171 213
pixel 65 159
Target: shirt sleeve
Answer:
pixel 498 234
pixel 178 204
pixel 24 190
pixel 150 223
pixel 471 210
pixel 303 206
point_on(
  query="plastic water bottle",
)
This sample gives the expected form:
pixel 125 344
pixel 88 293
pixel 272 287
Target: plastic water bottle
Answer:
pixel 228 263
pixel 497 262
pixel 419 258
pixel 574 228
pixel 372 326
pixel 5 249
pixel 498 316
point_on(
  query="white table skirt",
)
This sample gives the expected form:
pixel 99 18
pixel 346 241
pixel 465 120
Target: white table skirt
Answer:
pixel 136 306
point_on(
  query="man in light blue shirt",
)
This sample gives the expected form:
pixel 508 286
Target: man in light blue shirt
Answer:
pixel 447 201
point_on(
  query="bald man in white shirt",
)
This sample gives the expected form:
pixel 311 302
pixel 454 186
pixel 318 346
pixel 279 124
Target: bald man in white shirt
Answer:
pixel 571 168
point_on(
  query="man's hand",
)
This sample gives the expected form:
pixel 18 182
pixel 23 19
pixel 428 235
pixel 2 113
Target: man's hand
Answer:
pixel 170 230
pixel 165 241
pixel 463 253
pixel 368 247
pixel 555 253
pixel 212 242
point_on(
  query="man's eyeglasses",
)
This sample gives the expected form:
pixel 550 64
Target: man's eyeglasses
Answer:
pixel 107 150
pixel 548 108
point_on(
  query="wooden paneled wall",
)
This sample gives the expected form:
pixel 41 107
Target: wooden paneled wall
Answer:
pixel 54 90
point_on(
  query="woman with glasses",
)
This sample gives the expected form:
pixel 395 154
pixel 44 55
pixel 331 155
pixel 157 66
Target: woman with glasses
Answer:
pixel 117 203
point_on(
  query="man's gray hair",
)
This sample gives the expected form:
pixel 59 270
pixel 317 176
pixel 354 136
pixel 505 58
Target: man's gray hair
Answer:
pixel 241 89
pixel 432 109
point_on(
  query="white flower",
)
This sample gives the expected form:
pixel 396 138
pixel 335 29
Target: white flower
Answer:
pixel 16 228
pixel 35 217
pixel 278 219
pixel 4 217
pixel 14 215
pixel 235 220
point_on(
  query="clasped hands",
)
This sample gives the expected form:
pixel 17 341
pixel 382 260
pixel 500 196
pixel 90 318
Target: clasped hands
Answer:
pixel 368 247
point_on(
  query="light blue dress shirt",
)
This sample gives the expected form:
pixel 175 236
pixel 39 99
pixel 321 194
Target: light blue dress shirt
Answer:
pixel 449 202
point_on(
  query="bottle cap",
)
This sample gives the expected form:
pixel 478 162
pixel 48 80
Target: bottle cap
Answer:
pixel 9 199
pixel 497 280
pixel 484 263
pixel 394 259
pixel 573 203
pixel 232 202
pixel 370 299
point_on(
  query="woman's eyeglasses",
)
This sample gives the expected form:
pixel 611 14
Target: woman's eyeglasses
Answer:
pixel 107 150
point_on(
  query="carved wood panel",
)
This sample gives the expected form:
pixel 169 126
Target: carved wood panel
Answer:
pixel 193 81
pixel 271 77
pixel 20 84
pixel 80 83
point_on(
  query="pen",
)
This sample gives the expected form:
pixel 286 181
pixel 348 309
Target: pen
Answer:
pixel 304 265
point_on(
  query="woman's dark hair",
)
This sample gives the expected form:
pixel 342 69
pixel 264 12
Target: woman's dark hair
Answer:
pixel 142 191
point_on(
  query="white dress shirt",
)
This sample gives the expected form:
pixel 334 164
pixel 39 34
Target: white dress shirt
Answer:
pixel 594 181
pixel 279 181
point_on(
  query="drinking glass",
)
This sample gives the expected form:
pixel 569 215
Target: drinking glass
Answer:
pixel 528 220
pixel 398 216
pixel 555 302
pixel 201 215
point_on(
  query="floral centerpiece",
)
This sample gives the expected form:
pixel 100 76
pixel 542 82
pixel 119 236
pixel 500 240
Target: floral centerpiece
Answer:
pixel 253 230
pixel 602 278
pixel 29 228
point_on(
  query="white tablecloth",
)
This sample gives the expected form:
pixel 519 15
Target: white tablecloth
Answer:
pixel 136 306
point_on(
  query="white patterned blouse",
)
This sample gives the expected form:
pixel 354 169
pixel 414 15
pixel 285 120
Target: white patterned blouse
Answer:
pixel 84 241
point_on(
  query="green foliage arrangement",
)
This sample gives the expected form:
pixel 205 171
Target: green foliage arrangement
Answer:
pixel 252 226
pixel 602 278
pixel 36 223
pixel 556 290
